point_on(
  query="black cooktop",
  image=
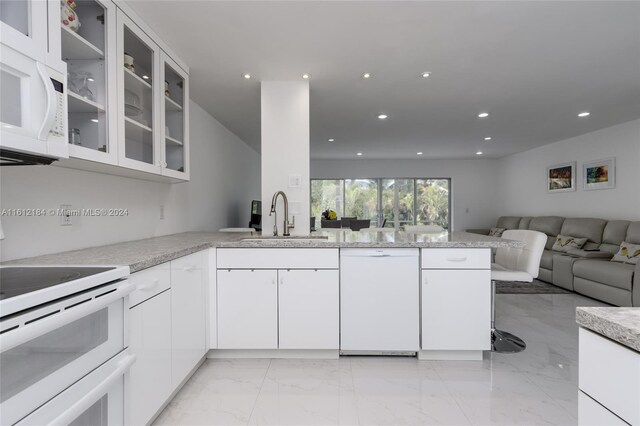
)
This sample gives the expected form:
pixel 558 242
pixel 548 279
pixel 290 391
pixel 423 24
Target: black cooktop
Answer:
pixel 18 280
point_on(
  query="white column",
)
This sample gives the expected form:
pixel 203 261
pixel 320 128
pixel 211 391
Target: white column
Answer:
pixel 285 153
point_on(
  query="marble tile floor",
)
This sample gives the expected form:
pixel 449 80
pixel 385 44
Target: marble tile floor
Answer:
pixel 538 386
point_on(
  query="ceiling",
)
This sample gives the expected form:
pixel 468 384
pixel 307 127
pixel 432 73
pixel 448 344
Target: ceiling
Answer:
pixel 532 65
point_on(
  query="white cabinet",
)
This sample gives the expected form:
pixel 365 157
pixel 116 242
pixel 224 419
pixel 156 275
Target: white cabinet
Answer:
pixel 456 303
pixel 614 385
pixel 175 114
pixel 456 309
pixel 150 340
pixel 308 309
pixel 187 315
pixel 23 27
pixel 247 309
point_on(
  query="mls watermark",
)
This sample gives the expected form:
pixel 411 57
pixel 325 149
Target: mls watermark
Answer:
pixel 84 212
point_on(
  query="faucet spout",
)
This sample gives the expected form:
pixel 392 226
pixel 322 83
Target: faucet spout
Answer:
pixel 287 225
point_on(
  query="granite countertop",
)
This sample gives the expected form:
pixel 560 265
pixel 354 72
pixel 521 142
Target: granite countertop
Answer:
pixel 619 324
pixel 142 254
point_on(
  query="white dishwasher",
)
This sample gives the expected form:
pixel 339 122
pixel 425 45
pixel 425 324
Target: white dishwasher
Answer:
pixel 379 301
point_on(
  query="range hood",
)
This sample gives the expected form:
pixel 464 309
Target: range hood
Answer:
pixel 15 158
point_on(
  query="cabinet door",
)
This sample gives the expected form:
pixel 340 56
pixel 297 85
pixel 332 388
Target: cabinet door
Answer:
pixel 90 55
pixel 175 113
pixel 150 340
pixel 456 309
pixel 309 311
pixel 247 309
pixel 187 315
pixel 138 97
pixel 23 27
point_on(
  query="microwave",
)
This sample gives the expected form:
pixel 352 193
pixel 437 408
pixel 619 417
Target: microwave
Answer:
pixel 33 107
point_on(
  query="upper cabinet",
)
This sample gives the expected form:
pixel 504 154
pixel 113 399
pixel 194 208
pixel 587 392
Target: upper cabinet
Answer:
pixel 23 27
pixel 139 117
pixel 87 45
pixel 175 112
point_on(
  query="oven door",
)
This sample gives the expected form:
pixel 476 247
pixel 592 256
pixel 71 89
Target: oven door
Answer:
pixel 96 400
pixel 46 350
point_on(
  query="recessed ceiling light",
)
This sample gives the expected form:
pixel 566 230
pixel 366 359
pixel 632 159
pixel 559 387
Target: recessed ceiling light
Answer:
pixel 146 77
pixel 366 75
pixel 479 153
pixel 483 115
pixel 419 153
pixel 382 116
pixel 90 79
pixel 247 76
pixel 359 154
pixel 330 140
pixel 426 74
pixel 584 114
pixel 95 120
pixel 488 138
pixel 306 76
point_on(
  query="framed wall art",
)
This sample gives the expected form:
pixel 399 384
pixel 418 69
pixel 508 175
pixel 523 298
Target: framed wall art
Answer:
pixel 599 174
pixel 561 177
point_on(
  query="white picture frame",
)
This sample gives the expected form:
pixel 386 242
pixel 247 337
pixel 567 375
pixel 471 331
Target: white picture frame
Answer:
pixel 599 174
pixel 561 177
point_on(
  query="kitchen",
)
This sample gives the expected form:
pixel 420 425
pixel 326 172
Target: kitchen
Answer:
pixel 135 175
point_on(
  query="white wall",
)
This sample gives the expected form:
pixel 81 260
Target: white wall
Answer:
pixel 523 177
pixel 285 151
pixel 473 182
pixel 225 177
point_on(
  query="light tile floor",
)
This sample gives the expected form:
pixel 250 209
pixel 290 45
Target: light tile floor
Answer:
pixel 538 386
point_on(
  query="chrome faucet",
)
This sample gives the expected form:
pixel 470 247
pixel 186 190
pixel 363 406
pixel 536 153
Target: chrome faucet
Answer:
pixel 287 225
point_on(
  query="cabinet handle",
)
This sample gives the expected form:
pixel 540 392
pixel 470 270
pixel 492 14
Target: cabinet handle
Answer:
pixel 456 259
pixel 189 268
pixel 273 281
pixel 281 280
pixel 152 284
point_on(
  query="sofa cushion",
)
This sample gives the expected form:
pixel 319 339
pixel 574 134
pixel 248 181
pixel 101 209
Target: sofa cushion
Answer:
pixel 633 233
pixel 524 222
pixel 613 274
pixel 508 222
pixel 614 234
pixel 546 261
pixel 580 227
pixel 564 242
pixel 628 253
pixel 549 225
pixel 496 232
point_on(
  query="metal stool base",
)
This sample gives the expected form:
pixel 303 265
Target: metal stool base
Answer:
pixel 506 343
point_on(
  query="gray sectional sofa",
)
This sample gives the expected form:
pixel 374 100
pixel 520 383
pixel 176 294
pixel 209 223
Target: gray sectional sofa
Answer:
pixel 588 271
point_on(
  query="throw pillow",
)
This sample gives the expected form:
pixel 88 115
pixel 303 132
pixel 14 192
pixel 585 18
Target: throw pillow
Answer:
pixel 496 232
pixel 564 242
pixel 628 253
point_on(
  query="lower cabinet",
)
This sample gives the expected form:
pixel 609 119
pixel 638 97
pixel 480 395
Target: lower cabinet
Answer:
pixel 150 340
pixel 456 309
pixel 278 309
pixel 187 315
pixel 166 332
pixel 247 309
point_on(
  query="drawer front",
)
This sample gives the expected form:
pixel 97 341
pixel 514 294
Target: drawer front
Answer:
pixel 454 258
pixel 189 263
pixel 149 282
pixel 590 413
pixel 277 258
pixel 616 385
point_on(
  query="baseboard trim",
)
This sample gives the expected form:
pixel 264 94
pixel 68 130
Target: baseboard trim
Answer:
pixel 273 353
pixel 450 355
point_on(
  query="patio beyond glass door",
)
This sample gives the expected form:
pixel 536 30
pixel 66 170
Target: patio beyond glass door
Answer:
pixel 139 77
pixel 174 112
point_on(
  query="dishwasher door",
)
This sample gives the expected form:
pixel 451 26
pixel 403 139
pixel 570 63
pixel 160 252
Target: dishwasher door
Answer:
pixel 379 300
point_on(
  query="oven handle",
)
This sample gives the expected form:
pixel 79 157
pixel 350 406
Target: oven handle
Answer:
pixel 95 394
pixel 31 331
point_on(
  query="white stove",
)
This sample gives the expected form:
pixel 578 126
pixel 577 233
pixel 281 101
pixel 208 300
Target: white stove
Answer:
pixel 63 344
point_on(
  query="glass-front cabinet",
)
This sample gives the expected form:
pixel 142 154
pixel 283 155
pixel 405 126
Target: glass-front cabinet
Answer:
pixel 175 112
pixel 23 27
pixel 88 48
pixel 138 112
